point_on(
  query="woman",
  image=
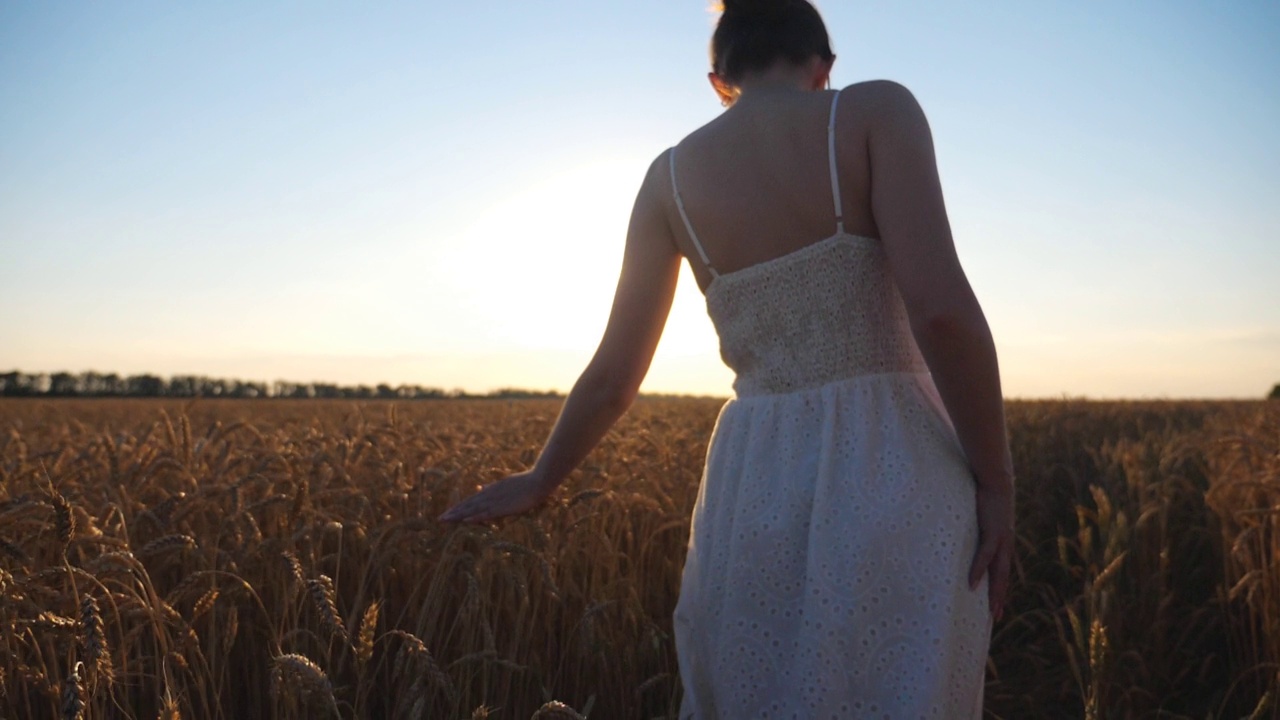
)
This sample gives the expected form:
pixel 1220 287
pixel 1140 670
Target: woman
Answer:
pixel 852 535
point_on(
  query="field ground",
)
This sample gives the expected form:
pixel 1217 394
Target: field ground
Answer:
pixel 271 558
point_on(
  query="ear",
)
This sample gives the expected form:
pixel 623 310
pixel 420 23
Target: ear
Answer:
pixel 821 72
pixel 726 92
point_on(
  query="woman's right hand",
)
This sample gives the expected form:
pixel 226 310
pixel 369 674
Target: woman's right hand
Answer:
pixel 995 543
pixel 513 495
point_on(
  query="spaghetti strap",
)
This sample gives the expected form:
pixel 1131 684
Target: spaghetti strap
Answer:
pixel 831 160
pixel 685 216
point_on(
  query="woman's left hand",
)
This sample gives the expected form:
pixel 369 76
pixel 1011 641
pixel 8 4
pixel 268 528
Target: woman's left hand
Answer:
pixel 510 496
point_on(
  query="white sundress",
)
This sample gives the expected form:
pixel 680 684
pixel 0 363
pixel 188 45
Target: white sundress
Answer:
pixel 826 574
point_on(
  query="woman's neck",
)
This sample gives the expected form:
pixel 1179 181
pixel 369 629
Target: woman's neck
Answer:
pixel 776 82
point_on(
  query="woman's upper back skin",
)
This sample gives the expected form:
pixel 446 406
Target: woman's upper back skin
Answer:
pixel 756 182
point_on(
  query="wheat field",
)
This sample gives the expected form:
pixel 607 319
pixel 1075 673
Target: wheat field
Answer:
pixel 244 559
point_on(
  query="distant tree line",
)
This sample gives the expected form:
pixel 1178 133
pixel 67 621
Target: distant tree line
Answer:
pixel 95 384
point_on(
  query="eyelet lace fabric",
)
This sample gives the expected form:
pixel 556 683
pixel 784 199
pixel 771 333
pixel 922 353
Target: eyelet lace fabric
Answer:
pixel 823 313
pixel 826 574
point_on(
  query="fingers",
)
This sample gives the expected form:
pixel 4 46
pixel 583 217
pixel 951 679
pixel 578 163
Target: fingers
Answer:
pixel 457 513
pixel 998 588
pixel 993 559
pixel 981 561
pixel 494 501
pixel 473 509
pixel 462 515
pixel 463 510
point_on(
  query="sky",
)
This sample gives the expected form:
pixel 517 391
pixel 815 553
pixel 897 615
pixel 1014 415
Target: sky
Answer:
pixel 437 193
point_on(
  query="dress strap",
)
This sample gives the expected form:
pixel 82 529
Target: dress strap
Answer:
pixel 685 216
pixel 831 160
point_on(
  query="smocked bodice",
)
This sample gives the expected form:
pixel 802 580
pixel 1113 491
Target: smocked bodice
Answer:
pixel 826 312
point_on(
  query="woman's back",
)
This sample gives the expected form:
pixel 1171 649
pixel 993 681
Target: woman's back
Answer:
pixel 794 309
pixel 756 181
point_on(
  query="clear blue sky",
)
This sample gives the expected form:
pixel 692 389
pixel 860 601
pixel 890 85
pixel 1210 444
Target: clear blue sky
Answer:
pixel 437 193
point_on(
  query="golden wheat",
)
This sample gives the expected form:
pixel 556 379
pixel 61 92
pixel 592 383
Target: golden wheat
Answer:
pixel 155 556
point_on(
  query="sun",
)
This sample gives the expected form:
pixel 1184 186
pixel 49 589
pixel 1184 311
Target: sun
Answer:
pixel 537 272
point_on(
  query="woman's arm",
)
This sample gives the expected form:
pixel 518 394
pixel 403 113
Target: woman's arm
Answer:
pixel 608 386
pixel 948 324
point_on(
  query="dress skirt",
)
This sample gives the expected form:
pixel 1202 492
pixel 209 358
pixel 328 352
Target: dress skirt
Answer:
pixel 826 574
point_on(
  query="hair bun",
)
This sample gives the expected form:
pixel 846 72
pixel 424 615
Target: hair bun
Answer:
pixel 752 35
pixel 754 7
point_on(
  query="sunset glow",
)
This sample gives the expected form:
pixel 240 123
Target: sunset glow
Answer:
pixel 439 197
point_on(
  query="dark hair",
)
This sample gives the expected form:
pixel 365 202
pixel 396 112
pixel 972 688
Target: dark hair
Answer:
pixel 754 34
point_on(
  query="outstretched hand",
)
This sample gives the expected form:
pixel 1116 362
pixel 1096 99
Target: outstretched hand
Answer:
pixel 510 496
pixel 995 545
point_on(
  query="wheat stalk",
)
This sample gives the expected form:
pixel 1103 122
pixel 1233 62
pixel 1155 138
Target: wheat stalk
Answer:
pixel 169 709
pixel 73 695
pixel 93 640
pixel 63 518
pixel 164 544
pixel 204 604
pixel 325 600
pixel 297 579
pixel 298 676
pixel 368 626
pixel 413 651
pixel 556 710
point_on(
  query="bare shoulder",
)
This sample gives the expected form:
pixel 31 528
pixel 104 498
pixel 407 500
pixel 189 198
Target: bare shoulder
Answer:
pixel 651 214
pixel 655 199
pixel 657 179
pixel 659 167
pixel 880 92
pixel 890 115
pixel 883 100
